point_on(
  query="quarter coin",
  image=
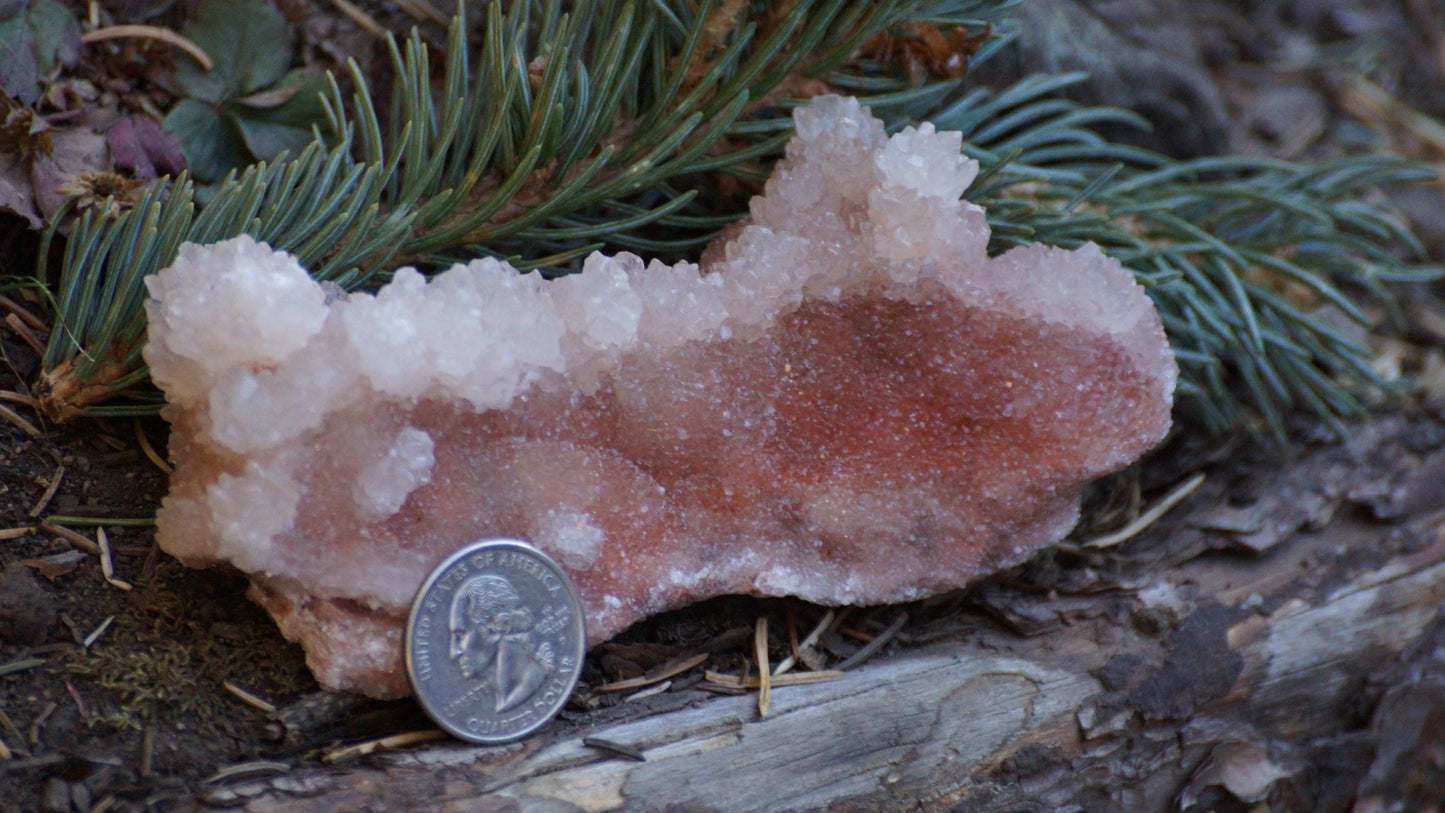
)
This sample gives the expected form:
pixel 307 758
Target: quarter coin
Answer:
pixel 495 641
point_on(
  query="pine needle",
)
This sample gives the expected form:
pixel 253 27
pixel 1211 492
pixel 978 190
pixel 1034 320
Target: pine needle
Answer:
pixel 1149 517
pixel 70 536
pixel 806 644
pixel 363 20
pixel 95 634
pixel 149 450
pixel 394 741
pixel 150 32
pixel 107 563
pixel 760 651
pixel 50 489
pixel 871 648
pixel 25 333
pixel 668 670
pixel 746 681
pixel 14 417
pixel 249 698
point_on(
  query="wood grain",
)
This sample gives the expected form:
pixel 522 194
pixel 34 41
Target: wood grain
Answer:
pixel 1284 646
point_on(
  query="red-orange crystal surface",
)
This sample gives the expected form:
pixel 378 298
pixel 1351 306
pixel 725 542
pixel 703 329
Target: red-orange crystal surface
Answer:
pixel 853 404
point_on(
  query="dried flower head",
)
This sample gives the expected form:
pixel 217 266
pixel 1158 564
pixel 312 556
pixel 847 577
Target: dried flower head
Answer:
pixel 109 192
pixel 24 133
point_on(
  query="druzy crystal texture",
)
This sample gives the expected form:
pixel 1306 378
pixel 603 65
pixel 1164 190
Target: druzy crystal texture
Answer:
pixel 850 402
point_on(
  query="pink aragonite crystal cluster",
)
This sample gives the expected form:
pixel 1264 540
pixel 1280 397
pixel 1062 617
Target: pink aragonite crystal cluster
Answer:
pixel 851 402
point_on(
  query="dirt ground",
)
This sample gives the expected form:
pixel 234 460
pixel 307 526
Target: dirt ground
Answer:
pixel 147 689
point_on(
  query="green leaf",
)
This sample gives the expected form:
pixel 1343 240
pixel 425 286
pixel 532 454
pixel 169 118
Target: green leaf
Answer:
pixel 248 108
pixel 249 42
pixel 267 140
pixel 35 37
pixel 57 35
pixel 295 102
pixel 212 142
pixel 19 75
pixel 283 127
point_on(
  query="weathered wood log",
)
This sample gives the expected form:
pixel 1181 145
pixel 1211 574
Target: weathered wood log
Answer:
pixel 1278 638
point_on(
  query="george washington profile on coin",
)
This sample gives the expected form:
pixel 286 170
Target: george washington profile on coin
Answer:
pixel 493 641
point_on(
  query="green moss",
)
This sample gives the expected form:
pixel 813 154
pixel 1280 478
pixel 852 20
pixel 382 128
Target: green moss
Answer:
pixel 168 658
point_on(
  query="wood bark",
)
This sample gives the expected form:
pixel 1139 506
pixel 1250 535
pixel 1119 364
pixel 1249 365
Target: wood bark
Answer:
pixel 1277 639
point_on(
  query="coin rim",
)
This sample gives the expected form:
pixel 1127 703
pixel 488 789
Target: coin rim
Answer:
pixel 411 621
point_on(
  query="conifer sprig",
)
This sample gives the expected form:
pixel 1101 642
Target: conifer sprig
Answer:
pixel 568 124
pixel 577 125
pixel 1254 264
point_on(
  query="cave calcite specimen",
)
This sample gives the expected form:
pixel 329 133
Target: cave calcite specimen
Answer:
pixel 848 402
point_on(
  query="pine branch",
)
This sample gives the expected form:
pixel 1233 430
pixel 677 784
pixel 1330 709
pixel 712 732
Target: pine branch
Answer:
pixel 564 131
pixel 1247 259
pixel 568 124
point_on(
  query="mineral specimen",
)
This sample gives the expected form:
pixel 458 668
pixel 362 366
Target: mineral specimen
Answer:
pixel 849 402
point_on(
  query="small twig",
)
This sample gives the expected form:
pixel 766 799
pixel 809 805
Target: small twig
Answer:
pixel 16 533
pixel 50 490
pixel 107 565
pixel 151 32
pixel 255 701
pixel 70 536
pixel 14 417
pixel 807 643
pixel 1150 516
pixel 614 747
pixel 150 451
pixel 868 649
pixel 760 651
